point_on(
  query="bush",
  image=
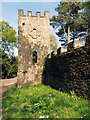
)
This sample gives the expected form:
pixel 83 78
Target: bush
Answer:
pixel 9 66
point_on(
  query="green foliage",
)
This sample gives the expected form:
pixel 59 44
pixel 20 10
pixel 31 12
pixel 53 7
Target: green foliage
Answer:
pixel 9 66
pixel 68 15
pixel 86 4
pixel 53 42
pixel 9 38
pixel 71 20
pixel 40 101
pixel 86 15
pixel 9 42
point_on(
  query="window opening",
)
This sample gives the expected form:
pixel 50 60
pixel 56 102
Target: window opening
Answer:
pixel 34 28
pixel 23 23
pixel 34 56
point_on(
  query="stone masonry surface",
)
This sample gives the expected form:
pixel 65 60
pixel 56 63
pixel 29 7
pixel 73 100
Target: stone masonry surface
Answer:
pixel 33 41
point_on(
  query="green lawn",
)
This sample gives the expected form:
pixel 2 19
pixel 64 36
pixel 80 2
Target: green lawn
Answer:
pixel 41 101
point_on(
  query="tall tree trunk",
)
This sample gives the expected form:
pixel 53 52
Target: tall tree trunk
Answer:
pixel 67 36
pixel 68 33
pixel 65 31
pixel 69 27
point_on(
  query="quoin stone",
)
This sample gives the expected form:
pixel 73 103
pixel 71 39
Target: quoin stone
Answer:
pixel 33 46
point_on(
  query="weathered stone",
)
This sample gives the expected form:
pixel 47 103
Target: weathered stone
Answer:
pixel 75 44
pixel 33 41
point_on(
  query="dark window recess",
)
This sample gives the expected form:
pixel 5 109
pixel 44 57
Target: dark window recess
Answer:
pixel 34 56
pixel 34 28
pixel 23 23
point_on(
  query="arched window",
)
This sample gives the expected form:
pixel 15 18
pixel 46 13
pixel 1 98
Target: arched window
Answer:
pixel 34 57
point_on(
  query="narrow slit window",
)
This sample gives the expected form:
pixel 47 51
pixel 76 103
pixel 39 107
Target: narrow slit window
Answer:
pixel 34 56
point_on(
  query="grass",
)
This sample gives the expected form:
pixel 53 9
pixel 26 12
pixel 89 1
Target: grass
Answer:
pixel 41 101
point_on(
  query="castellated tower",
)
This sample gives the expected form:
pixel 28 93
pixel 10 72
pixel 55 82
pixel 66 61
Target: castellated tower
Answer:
pixel 33 46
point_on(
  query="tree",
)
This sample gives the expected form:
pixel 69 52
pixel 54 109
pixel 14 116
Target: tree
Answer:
pixel 9 66
pixel 9 38
pixel 53 43
pixel 77 31
pixel 68 16
pixel 86 15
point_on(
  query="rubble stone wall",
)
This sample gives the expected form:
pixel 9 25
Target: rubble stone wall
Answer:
pixel 33 36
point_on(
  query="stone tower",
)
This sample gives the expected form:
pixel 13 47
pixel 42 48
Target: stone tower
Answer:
pixel 33 46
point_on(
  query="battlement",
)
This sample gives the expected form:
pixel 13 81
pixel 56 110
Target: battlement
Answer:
pixel 72 45
pixel 29 14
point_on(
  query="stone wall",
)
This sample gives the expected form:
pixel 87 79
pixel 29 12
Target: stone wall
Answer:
pixel 33 46
pixel 75 44
pixel 6 84
pixel 61 50
pixel 72 45
pixel 69 71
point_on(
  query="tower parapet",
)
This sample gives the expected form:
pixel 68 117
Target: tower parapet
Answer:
pixel 29 13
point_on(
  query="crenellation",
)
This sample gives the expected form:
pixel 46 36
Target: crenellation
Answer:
pixel 38 14
pixel 20 12
pixel 29 14
pixel 46 14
